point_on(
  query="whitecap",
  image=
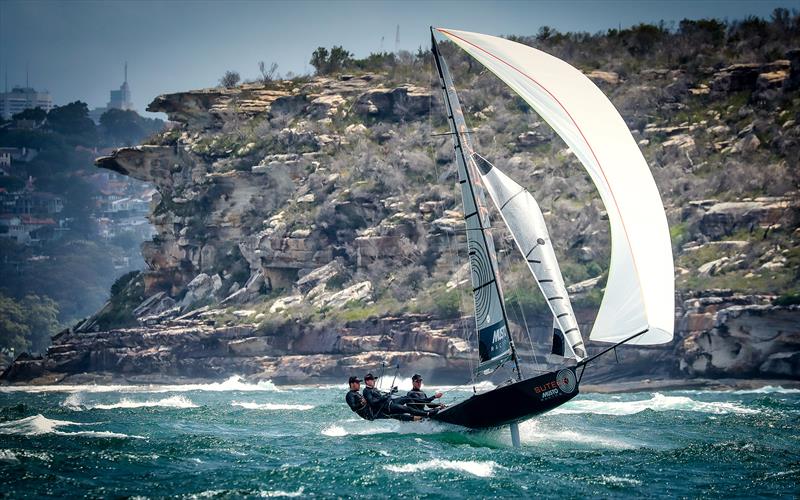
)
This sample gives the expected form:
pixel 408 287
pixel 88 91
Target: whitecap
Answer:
pixel 768 389
pixel 271 406
pixel 8 456
pixel 74 402
pixel 476 468
pixel 334 431
pixel 38 425
pixel 280 493
pixel 538 433
pixel 234 383
pixel 619 481
pixel 658 402
pixel 360 427
pixel 171 402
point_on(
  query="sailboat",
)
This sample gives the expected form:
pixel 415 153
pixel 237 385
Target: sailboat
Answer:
pixel 638 303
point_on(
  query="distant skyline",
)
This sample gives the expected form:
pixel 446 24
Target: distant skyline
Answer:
pixel 77 49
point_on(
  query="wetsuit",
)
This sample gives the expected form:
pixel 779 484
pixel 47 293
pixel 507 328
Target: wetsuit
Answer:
pixel 420 400
pixel 383 406
pixel 358 404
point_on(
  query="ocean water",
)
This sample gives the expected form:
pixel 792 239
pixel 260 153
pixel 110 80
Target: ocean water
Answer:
pixel 234 439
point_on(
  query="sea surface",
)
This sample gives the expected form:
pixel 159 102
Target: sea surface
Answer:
pixel 235 439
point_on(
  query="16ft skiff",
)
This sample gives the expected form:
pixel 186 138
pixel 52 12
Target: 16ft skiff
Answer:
pixel 638 304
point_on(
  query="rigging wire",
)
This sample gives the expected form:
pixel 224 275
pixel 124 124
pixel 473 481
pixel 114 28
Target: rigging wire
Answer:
pixel 450 242
pixel 521 313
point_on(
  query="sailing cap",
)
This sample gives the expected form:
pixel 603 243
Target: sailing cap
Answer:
pixel 369 376
pixel 354 379
pixel 416 376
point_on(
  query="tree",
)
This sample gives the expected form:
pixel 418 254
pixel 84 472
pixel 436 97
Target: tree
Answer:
pixel 230 79
pixel 325 63
pixel 123 126
pixel 73 120
pixel 34 114
pixel 339 59
pixel 319 59
pixel 267 74
pixel 27 325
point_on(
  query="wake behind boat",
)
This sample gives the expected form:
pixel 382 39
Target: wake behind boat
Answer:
pixel 637 307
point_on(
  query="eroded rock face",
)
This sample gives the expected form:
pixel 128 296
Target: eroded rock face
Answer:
pixel 724 218
pixel 196 350
pixel 743 340
pixel 399 103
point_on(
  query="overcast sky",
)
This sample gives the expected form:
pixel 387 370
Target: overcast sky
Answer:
pixel 77 49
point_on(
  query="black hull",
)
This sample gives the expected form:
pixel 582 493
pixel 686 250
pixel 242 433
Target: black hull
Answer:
pixel 514 402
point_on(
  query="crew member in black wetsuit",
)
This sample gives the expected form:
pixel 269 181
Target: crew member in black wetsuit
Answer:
pixel 418 398
pixel 356 401
pixel 384 406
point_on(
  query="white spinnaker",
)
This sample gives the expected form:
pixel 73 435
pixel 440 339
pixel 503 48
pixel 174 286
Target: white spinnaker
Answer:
pixel 525 220
pixel 640 288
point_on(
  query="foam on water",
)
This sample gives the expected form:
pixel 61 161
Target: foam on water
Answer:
pixel 76 402
pixel 385 426
pixel 537 433
pixel 658 402
pixel 39 425
pixel 618 481
pixel 234 383
pixel 271 406
pixel 171 402
pixel 281 493
pixel 768 389
pixel 476 468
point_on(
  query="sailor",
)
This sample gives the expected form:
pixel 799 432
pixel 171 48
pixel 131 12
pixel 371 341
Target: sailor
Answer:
pixel 356 401
pixel 382 405
pixel 418 398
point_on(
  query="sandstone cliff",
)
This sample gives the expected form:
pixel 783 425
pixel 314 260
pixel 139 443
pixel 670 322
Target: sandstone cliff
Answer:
pixel 310 228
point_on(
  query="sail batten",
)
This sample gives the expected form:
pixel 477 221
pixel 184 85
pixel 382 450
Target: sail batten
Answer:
pixel 640 287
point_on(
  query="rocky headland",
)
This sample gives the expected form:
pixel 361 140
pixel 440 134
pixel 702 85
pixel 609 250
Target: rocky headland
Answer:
pixel 308 229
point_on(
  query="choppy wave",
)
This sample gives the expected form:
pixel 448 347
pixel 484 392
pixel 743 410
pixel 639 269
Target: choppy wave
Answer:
pixel 271 406
pixel 234 383
pixel 618 481
pixel 76 402
pixel 476 468
pixel 768 389
pixel 280 493
pixel 171 402
pixel 363 427
pixel 14 456
pixel 38 425
pixel 538 433
pixel 658 402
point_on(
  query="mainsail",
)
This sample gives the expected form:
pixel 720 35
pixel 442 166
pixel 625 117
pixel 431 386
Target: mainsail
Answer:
pixel 495 345
pixel 639 297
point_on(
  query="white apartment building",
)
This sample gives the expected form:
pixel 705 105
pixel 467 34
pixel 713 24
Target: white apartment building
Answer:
pixel 21 98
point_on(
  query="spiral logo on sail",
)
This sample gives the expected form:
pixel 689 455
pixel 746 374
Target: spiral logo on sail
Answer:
pixel 481 274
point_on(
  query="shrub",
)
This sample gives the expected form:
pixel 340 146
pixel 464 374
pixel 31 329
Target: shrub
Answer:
pixel 230 79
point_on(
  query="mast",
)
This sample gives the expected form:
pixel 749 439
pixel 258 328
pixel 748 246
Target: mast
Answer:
pixel 494 335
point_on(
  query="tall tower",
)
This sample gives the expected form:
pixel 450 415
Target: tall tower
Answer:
pixel 121 99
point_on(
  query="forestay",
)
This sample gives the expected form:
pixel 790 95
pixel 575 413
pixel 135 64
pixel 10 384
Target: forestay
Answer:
pixel 494 341
pixel 640 287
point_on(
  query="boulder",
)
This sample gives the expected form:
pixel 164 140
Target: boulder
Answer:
pixel 607 77
pixel 406 102
pixel 726 217
pixel 360 292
